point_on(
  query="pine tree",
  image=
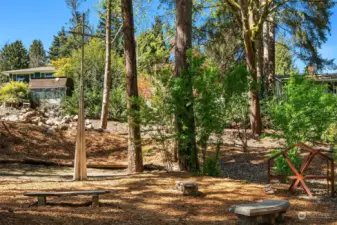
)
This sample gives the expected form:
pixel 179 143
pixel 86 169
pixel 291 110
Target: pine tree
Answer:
pixel 186 142
pixel 135 160
pixel 56 50
pixel 37 54
pixel 116 25
pixel 14 56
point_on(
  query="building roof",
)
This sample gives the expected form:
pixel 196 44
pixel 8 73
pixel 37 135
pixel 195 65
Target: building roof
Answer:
pixel 332 77
pixel 45 69
pixel 58 82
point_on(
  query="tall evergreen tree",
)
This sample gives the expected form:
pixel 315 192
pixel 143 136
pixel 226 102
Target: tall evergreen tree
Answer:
pixel 186 142
pixel 57 48
pixel 284 59
pixel 37 54
pixel 135 160
pixel 14 56
pixel 116 25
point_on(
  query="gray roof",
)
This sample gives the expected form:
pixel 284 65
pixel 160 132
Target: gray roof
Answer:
pixel 332 77
pixel 45 69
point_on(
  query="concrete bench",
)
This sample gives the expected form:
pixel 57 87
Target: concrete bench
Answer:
pixel 268 210
pixel 41 196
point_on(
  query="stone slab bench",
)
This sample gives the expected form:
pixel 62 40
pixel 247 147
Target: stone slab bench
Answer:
pixel 41 196
pixel 269 211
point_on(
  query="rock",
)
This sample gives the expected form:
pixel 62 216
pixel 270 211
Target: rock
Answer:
pixel 30 114
pixel 50 122
pixel 89 126
pixel 63 127
pixel 40 124
pixel 187 187
pixel 12 118
pixel 75 118
pixel 50 131
pixel 87 122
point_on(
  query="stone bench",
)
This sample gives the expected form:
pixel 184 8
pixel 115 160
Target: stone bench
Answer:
pixel 268 210
pixel 41 196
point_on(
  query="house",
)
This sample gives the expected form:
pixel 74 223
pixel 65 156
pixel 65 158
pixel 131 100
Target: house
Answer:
pixel 44 86
pixel 329 79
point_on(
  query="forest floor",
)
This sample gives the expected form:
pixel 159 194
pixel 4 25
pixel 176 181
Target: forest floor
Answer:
pixel 144 198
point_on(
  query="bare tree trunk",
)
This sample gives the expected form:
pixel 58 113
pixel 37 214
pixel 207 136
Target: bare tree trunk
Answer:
pixel 187 150
pixel 107 73
pixel 135 160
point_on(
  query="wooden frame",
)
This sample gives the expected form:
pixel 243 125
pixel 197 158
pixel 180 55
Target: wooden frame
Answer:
pixel 299 176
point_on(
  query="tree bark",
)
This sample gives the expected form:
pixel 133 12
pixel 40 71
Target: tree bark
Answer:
pixel 107 73
pixel 250 50
pixel 271 50
pixel 135 160
pixel 269 54
pixel 185 122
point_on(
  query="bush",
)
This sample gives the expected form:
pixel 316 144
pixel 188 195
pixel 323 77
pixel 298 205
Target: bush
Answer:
pixel 281 166
pixel 15 92
pixel 210 167
pixel 330 135
pixel 305 112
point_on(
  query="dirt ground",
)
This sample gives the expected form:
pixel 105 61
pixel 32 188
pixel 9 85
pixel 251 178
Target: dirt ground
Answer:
pixel 145 198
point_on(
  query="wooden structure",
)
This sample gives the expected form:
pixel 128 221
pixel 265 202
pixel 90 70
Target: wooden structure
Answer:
pixel 41 196
pixel 80 163
pixel 299 175
pixel 268 210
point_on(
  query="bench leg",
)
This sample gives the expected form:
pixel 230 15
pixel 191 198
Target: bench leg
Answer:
pixel 95 201
pixel 280 217
pixel 269 219
pixel 41 200
pixel 247 220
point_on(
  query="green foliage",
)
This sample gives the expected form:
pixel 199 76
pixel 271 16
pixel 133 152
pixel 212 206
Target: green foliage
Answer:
pixel 330 135
pixel 37 54
pixel 94 58
pixel 152 50
pixel 284 62
pixel 282 167
pixel 305 111
pixel 62 45
pixel 14 56
pixel 14 92
pixel 210 168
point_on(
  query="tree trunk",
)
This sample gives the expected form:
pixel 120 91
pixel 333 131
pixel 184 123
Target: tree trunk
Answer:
pixel 135 160
pixel 250 52
pixel 107 72
pixel 187 150
pixel 271 53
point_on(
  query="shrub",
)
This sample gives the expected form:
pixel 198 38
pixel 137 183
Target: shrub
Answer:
pixel 210 167
pixel 330 135
pixel 281 166
pixel 15 92
pixel 305 111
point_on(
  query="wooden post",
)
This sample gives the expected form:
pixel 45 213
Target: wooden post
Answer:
pixel 332 178
pixel 80 164
pixel 95 201
pixel 41 200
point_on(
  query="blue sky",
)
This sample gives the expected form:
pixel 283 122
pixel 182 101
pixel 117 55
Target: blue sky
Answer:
pixel 27 20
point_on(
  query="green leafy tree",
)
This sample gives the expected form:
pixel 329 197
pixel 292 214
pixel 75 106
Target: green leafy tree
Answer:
pixel 284 59
pixel 14 56
pixel 37 54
